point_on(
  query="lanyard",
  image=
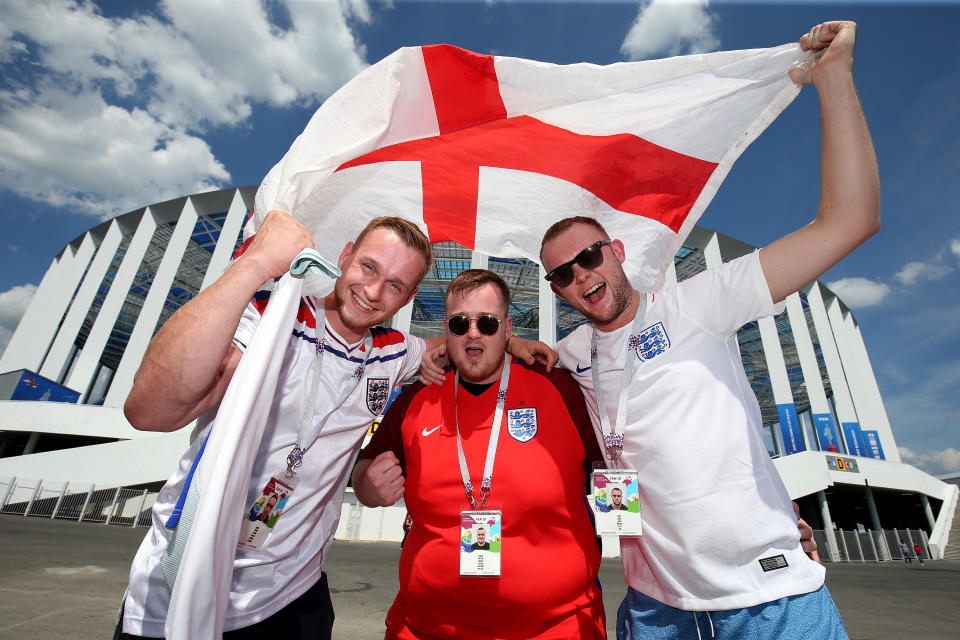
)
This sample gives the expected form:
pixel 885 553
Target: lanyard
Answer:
pixel 613 435
pixel 487 481
pixel 309 427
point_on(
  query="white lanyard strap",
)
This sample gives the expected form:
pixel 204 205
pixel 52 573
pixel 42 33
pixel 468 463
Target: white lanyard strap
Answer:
pixel 613 435
pixel 487 482
pixel 310 427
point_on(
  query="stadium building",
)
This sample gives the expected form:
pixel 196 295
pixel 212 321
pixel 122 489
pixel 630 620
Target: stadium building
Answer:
pixel 67 451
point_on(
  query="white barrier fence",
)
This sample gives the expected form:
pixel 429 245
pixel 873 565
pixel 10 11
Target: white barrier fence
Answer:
pixel 123 506
pixel 131 507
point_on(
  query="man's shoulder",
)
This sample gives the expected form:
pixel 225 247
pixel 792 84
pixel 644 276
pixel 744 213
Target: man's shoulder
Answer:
pixel 575 344
pixel 385 337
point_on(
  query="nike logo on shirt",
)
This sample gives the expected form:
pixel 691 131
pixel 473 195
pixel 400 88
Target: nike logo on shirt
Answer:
pixel 579 370
pixel 427 432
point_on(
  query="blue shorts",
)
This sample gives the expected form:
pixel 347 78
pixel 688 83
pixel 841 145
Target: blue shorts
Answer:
pixel 809 615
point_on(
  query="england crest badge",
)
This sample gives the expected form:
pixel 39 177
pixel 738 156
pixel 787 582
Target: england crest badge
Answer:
pixel 522 423
pixel 652 341
pixel 378 392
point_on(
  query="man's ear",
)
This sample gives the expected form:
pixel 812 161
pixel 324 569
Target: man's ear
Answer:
pixel 619 250
pixel 509 325
pixel 347 249
pixel 553 288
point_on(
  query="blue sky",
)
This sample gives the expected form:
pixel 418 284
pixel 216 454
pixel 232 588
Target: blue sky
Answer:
pixel 109 106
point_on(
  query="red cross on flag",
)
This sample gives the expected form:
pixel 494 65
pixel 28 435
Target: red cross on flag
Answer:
pixel 489 151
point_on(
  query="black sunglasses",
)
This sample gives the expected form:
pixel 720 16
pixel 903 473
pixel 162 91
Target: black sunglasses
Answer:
pixel 590 258
pixel 459 324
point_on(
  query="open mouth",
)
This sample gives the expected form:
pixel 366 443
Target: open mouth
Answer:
pixel 473 352
pixel 595 293
pixel 360 303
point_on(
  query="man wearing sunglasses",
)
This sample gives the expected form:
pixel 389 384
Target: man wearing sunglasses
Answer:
pixel 538 435
pixel 719 535
pixel 278 588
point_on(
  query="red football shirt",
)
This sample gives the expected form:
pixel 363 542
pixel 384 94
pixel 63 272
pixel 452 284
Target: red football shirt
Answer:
pixel 550 554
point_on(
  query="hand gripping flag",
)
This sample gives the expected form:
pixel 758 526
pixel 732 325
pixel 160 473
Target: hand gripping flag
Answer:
pixel 489 151
pixel 198 565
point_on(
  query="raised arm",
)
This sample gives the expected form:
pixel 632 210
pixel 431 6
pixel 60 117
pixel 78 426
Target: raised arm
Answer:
pixel 190 361
pixel 849 211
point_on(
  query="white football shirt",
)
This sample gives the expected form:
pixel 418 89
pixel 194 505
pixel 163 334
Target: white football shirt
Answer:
pixel 291 560
pixel 718 528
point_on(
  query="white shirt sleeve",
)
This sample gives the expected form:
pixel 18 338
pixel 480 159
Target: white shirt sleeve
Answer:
pixel 416 347
pixel 724 298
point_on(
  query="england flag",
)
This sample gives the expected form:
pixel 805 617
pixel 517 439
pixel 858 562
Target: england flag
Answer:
pixel 489 151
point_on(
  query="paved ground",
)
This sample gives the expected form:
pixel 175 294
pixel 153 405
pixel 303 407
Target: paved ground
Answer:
pixel 64 580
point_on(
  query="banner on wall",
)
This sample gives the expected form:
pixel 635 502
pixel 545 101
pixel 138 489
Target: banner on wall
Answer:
pixel 790 429
pixel 874 448
pixel 854 437
pixel 827 435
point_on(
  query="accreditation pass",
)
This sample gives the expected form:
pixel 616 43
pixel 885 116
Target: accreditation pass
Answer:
pixel 480 542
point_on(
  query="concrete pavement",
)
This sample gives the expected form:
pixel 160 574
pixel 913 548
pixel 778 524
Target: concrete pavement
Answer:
pixel 63 579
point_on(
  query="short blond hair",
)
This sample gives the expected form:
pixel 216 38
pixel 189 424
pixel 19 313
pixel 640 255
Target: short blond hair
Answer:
pixel 409 233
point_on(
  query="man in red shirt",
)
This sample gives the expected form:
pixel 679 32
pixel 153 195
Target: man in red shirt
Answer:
pixel 541 437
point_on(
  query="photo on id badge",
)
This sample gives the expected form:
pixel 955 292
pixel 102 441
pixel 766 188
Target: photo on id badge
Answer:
pixel 480 543
pixel 616 502
pixel 263 514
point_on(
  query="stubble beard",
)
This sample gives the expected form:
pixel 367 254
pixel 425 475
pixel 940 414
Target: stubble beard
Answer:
pixel 620 292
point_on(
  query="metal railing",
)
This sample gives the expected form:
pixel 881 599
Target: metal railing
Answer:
pixel 80 502
pixel 871 546
pixel 131 507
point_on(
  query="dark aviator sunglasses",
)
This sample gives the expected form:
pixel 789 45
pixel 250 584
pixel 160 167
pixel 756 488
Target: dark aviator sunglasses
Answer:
pixel 487 324
pixel 589 259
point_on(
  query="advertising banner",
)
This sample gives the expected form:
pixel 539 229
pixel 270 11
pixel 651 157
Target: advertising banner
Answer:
pixel 855 446
pixel 827 434
pixel 34 387
pixel 874 448
pixel 790 429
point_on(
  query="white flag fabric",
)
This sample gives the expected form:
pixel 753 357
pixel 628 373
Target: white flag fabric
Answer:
pixel 489 151
pixel 198 604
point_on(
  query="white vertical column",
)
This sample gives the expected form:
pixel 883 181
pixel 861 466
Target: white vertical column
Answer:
pixel 819 408
pixel 220 259
pixel 86 366
pixel 152 305
pixel 38 326
pixel 711 252
pixel 403 318
pixel 831 358
pixel 790 428
pixel 875 414
pixel 479 260
pixel 832 550
pixel 547 310
pixel 56 358
pixel 852 431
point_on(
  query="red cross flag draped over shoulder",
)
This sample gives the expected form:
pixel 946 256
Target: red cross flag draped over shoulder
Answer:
pixel 489 151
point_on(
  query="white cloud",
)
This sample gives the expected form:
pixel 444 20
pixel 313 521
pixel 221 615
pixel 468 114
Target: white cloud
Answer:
pixel 670 28
pixel 110 112
pixel 13 302
pixel 77 151
pixel 859 292
pixel 936 463
pixel 955 247
pixel 913 272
